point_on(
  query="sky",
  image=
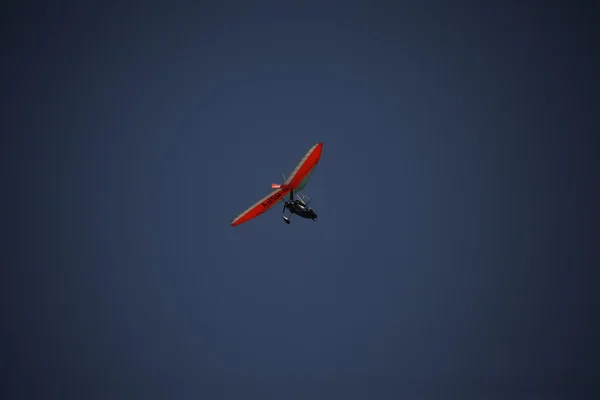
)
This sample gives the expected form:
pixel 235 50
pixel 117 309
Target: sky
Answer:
pixel 456 250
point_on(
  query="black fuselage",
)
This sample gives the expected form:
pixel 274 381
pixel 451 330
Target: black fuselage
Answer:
pixel 301 209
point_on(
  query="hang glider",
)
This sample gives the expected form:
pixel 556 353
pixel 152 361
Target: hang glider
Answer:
pixel 295 182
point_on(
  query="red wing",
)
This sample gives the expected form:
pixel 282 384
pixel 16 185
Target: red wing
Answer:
pixel 261 206
pixel 305 166
pixel 296 180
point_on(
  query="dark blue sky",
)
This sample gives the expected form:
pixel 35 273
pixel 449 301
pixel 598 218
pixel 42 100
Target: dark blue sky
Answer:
pixel 455 254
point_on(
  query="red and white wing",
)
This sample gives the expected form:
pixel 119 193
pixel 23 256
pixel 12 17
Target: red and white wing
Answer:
pixel 296 180
pixel 303 170
pixel 261 206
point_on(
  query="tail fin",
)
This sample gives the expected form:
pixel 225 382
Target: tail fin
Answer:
pixel 277 185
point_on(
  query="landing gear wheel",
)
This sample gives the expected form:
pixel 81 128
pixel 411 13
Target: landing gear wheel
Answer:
pixel 287 220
